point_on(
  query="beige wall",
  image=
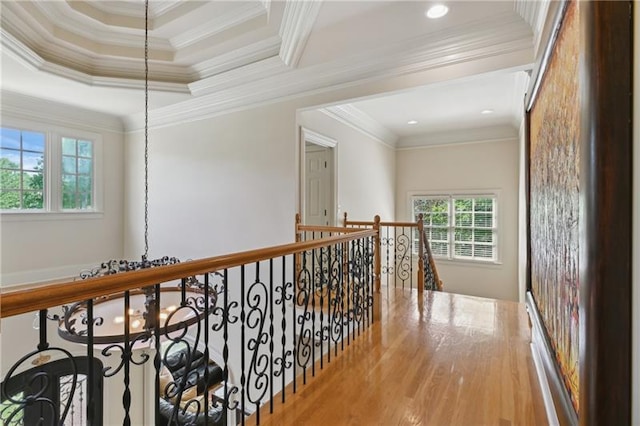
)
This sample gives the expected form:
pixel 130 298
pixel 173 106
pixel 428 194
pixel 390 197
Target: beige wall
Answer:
pixel 37 247
pixel 216 186
pixel 366 169
pixel 469 167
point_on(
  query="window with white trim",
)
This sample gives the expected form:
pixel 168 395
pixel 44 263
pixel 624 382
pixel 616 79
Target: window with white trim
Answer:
pixel 47 171
pixel 459 226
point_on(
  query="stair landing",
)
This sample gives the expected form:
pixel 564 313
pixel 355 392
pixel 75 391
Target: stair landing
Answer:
pixel 447 360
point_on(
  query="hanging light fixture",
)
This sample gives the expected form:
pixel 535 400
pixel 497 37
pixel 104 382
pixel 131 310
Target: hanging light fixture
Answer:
pixel 110 325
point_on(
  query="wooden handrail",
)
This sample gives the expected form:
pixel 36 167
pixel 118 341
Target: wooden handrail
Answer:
pixel 369 223
pixel 29 299
pixel 432 262
pixel 318 228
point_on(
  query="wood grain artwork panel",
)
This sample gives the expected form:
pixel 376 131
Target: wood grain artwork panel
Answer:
pixel 554 191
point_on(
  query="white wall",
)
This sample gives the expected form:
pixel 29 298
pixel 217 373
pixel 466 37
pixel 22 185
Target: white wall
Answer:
pixel 36 247
pixel 471 166
pixel 366 169
pixel 217 186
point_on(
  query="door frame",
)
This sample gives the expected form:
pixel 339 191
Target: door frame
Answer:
pixel 308 135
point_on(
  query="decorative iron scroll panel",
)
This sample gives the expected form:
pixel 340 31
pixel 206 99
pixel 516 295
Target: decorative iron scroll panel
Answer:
pixel 221 346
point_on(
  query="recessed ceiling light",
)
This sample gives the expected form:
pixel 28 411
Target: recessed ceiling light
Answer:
pixel 486 111
pixel 412 122
pixel 437 11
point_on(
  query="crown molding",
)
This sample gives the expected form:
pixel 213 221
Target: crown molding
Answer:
pixel 295 29
pixel 505 34
pixel 460 136
pixel 237 16
pixel 37 109
pixel 318 138
pixel 67 38
pixel 35 62
pixel 362 122
pixel 535 14
pixel 234 59
pixel 242 75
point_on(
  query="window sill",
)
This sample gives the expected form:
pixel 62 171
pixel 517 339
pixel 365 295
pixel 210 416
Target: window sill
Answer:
pixel 27 216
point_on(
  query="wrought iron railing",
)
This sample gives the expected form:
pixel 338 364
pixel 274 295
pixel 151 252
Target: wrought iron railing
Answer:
pixel 405 253
pixel 218 338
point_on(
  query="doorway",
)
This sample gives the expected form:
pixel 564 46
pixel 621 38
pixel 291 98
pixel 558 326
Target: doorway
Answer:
pixel 318 179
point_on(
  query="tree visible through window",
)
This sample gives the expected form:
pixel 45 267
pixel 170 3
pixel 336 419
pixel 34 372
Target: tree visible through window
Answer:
pixel 21 169
pixel 41 171
pixel 459 226
pixel 77 173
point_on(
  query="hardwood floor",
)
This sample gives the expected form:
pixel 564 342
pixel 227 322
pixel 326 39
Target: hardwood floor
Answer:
pixel 450 360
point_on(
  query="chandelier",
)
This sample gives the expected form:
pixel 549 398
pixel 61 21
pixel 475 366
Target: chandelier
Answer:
pixel 140 309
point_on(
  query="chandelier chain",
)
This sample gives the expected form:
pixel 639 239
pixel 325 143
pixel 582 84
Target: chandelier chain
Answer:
pixel 146 129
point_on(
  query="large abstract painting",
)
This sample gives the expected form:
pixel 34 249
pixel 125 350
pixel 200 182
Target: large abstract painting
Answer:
pixel 554 200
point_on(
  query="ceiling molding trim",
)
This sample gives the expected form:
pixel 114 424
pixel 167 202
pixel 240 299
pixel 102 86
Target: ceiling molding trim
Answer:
pixel 20 51
pixel 41 110
pixel 480 42
pixel 242 75
pixel 459 136
pixel 34 62
pixel 318 138
pixel 237 16
pixel 534 13
pixel 65 29
pixel 261 50
pixel 362 122
pixel 295 29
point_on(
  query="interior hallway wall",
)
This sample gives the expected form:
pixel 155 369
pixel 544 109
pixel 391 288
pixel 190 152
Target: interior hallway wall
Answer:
pixel 491 165
pixel 366 169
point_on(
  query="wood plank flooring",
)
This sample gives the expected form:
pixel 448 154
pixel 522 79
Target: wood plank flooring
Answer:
pixel 447 360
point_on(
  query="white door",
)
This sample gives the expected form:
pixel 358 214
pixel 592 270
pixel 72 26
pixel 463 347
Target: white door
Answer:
pixel 318 189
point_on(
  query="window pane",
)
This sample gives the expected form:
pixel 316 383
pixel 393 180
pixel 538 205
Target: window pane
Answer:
pixel 439 234
pixel 463 250
pixel 464 219
pixel 463 205
pixel 463 234
pixel 85 149
pixel 484 220
pixel 9 179
pixel 9 199
pixel 68 200
pixel 84 183
pixel 85 200
pixel 69 165
pixel 439 249
pixel 32 200
pixel 68 146
pixel 9 138
pixel 68 183
pixel 419 205
pixel 484 205
pixel 485 252
pixel 483 236
pixel 32 160
pixel 10 159
pixel 84 165
pixel 32 180
pixel 33 141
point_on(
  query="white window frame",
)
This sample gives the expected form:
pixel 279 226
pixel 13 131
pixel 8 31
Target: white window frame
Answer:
pixel 53 172
pixel 457 194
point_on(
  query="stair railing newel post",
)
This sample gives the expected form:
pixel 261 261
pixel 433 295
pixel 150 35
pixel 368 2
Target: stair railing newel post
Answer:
pixel 377 305
pixel 420 256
